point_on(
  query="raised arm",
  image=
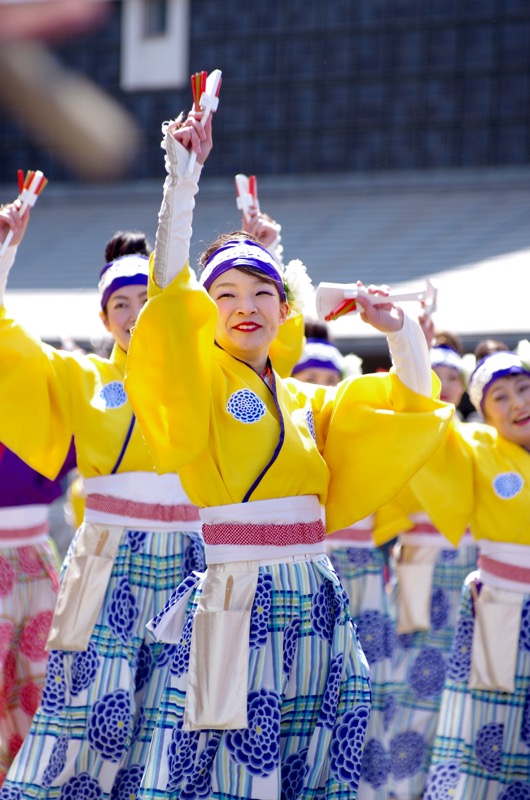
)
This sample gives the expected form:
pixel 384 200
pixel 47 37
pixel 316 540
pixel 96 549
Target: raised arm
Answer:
pixel 176 212
pixel 11 220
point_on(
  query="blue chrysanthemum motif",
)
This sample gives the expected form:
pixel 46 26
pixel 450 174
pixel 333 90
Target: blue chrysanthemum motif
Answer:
pixel 166 654
pixel 371 627
pixel 258 746
pixel 389 710
pixel 390 637
pixel 84 669
pixel 181 659
pixel 427 673
pixel 82 785
pixel 330 698
pixel 184 587
pixel 136 540
pixel 246 406
pixel 406 754
pixel 123 611
pixel 108 724
pixel 524 636
pixel 53 693
pixel 180 755
pixel 525 722
pixel 57 761
pixel 405 640
pixel 488 746
pixel 290 644
pixel 375 763
pixel 199 784
pixel 194 558
pixel 294 770
pixel 261 608
pixel 114 394
pixel 310 421
pixel 459 663
pixel 442 782
pixel 507 484
pixel 516 791
pixel 440 608
pixel 347 746
pixel 145 663
pixel 323 611
pixel 8 792
pixel 127 783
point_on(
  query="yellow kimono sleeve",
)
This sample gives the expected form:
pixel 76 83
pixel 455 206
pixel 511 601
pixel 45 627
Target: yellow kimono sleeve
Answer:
pixel 391 519
pixel 286 350
pixel 444 486
pixel 380 433
pixel 173 336
pixel 36 415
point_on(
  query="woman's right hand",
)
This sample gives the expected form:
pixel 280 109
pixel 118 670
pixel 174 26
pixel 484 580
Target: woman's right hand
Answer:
pixel 193 136
pixel 12 219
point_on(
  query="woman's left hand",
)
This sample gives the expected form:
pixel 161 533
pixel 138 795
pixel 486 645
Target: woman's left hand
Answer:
pixel 385 317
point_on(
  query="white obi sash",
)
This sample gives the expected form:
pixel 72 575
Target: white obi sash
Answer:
pixel 361 534
pixel 24 525
pixel 504 570
pixel 217 688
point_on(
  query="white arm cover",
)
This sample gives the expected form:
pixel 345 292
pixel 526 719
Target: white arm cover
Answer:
pixel 410 356
pixel 6 262
pixel 176 212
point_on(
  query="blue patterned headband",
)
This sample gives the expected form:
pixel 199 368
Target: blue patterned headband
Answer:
pixel 490 369
pixel 125 271
pixel 242 253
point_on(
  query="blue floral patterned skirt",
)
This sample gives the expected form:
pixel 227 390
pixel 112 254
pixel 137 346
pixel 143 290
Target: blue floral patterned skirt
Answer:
pixel 419 667
pixel 482 745
pixel 361 571
pixel 90 736
pixel 308 700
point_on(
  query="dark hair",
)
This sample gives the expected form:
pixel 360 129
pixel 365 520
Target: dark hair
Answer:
pixel 488 346
pixel 222 239
pixel 314 329
pixel 448 339
pixel 126 243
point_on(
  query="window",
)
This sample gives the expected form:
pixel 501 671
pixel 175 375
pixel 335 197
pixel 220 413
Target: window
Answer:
pixel 154 44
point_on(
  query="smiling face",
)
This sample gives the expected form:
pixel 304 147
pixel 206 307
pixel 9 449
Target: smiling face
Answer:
pixel 452 384
pixel 122 311
pixel 507 408
pixel 250 312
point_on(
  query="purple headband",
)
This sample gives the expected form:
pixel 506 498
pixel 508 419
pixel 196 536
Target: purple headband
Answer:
pixel 124 271
pixel 242 253
pixel 490 369
pixel 321 354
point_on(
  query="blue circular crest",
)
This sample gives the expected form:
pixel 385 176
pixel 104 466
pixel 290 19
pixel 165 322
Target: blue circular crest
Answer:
pixel 114 394
pixel 245 406
pixel 507 484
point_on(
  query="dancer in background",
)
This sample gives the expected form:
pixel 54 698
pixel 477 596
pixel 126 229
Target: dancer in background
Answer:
pixel 270 694
pixel 29 579
pixel 429 573
pixel 361 568
pixel 480 477
pixel 140 537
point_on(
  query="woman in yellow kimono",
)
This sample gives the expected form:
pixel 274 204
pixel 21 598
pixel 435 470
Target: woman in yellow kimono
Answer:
pixel 269 692
pixel 481 476
pixel 429 577
pixel 139 537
